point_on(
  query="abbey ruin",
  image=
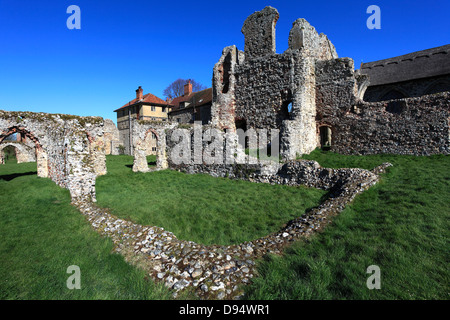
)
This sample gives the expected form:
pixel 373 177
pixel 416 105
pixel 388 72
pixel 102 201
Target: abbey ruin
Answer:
pixel 313 97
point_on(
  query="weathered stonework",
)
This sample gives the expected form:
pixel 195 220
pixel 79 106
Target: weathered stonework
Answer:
pixel 142 130
pixel 218 272
pixel 24 153
pixel 315 98
pixel 69 149
pixel 261 89
pixel 412 126
pixel 111 137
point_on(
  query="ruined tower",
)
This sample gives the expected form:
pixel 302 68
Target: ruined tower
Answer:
pixel 261 89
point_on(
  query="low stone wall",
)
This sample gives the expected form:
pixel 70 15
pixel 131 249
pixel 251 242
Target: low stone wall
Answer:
pixel 218 272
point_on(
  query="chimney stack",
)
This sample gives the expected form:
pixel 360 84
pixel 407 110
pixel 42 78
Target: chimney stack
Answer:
pixel 188 88
pixel 139 93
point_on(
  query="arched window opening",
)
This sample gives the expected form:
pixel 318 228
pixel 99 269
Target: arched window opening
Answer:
pixel 325 137
pixel 285 111
pixel 16 137
pixel 226 74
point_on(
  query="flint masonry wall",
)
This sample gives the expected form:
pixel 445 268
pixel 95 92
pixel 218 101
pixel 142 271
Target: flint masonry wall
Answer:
pixel 412 126
pixel 253 89
pixel 111 137
pixel 69 149
pixel 24 153
pixel 142 130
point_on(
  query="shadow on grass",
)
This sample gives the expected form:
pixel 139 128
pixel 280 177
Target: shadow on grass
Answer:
pixel 150 164
pixel 9 177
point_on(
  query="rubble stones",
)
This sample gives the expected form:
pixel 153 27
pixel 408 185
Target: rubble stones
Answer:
pixel 219 272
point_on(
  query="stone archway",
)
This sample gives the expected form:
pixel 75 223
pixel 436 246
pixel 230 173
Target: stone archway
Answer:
pixel 23 152
pixel 69 149
pixel 41 157
pixel 141 150
pixel 393 94
pixel 141 132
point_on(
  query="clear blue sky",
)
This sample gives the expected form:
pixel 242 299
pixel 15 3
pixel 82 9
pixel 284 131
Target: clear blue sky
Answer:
pixel 45 67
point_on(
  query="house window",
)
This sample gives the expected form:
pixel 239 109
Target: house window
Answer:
pixel 153 136
pixel 153 148
pixel 153 108
pixel 163 109
pixel 178 120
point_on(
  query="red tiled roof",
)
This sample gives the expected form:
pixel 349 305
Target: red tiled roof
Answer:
pixel 196 99
pixel 147 98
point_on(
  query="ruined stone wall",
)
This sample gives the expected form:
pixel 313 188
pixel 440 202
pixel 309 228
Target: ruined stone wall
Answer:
pixel 241 166
pixel 111 137
pixel 412 126
pixel 324 93
pixel 415 126
pixel 142 132
pixel 259 88
pixel 24 153
pixel 69 149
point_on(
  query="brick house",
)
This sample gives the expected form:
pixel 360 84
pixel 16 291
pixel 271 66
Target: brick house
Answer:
pixel 192 106
pixel 144 107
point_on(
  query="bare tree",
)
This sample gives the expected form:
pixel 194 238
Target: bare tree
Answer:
pixel 176 88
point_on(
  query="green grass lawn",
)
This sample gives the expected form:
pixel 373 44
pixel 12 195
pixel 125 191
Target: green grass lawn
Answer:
pixel 42 235
pixel 400 225
pixel 201 208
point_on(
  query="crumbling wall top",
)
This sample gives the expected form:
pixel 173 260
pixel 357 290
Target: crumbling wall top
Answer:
pixel 259 32
pixel 305 37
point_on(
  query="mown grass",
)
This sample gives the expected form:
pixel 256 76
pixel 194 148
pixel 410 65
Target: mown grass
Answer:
pixel 199 207
pixel 400 225
pixel 42 235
